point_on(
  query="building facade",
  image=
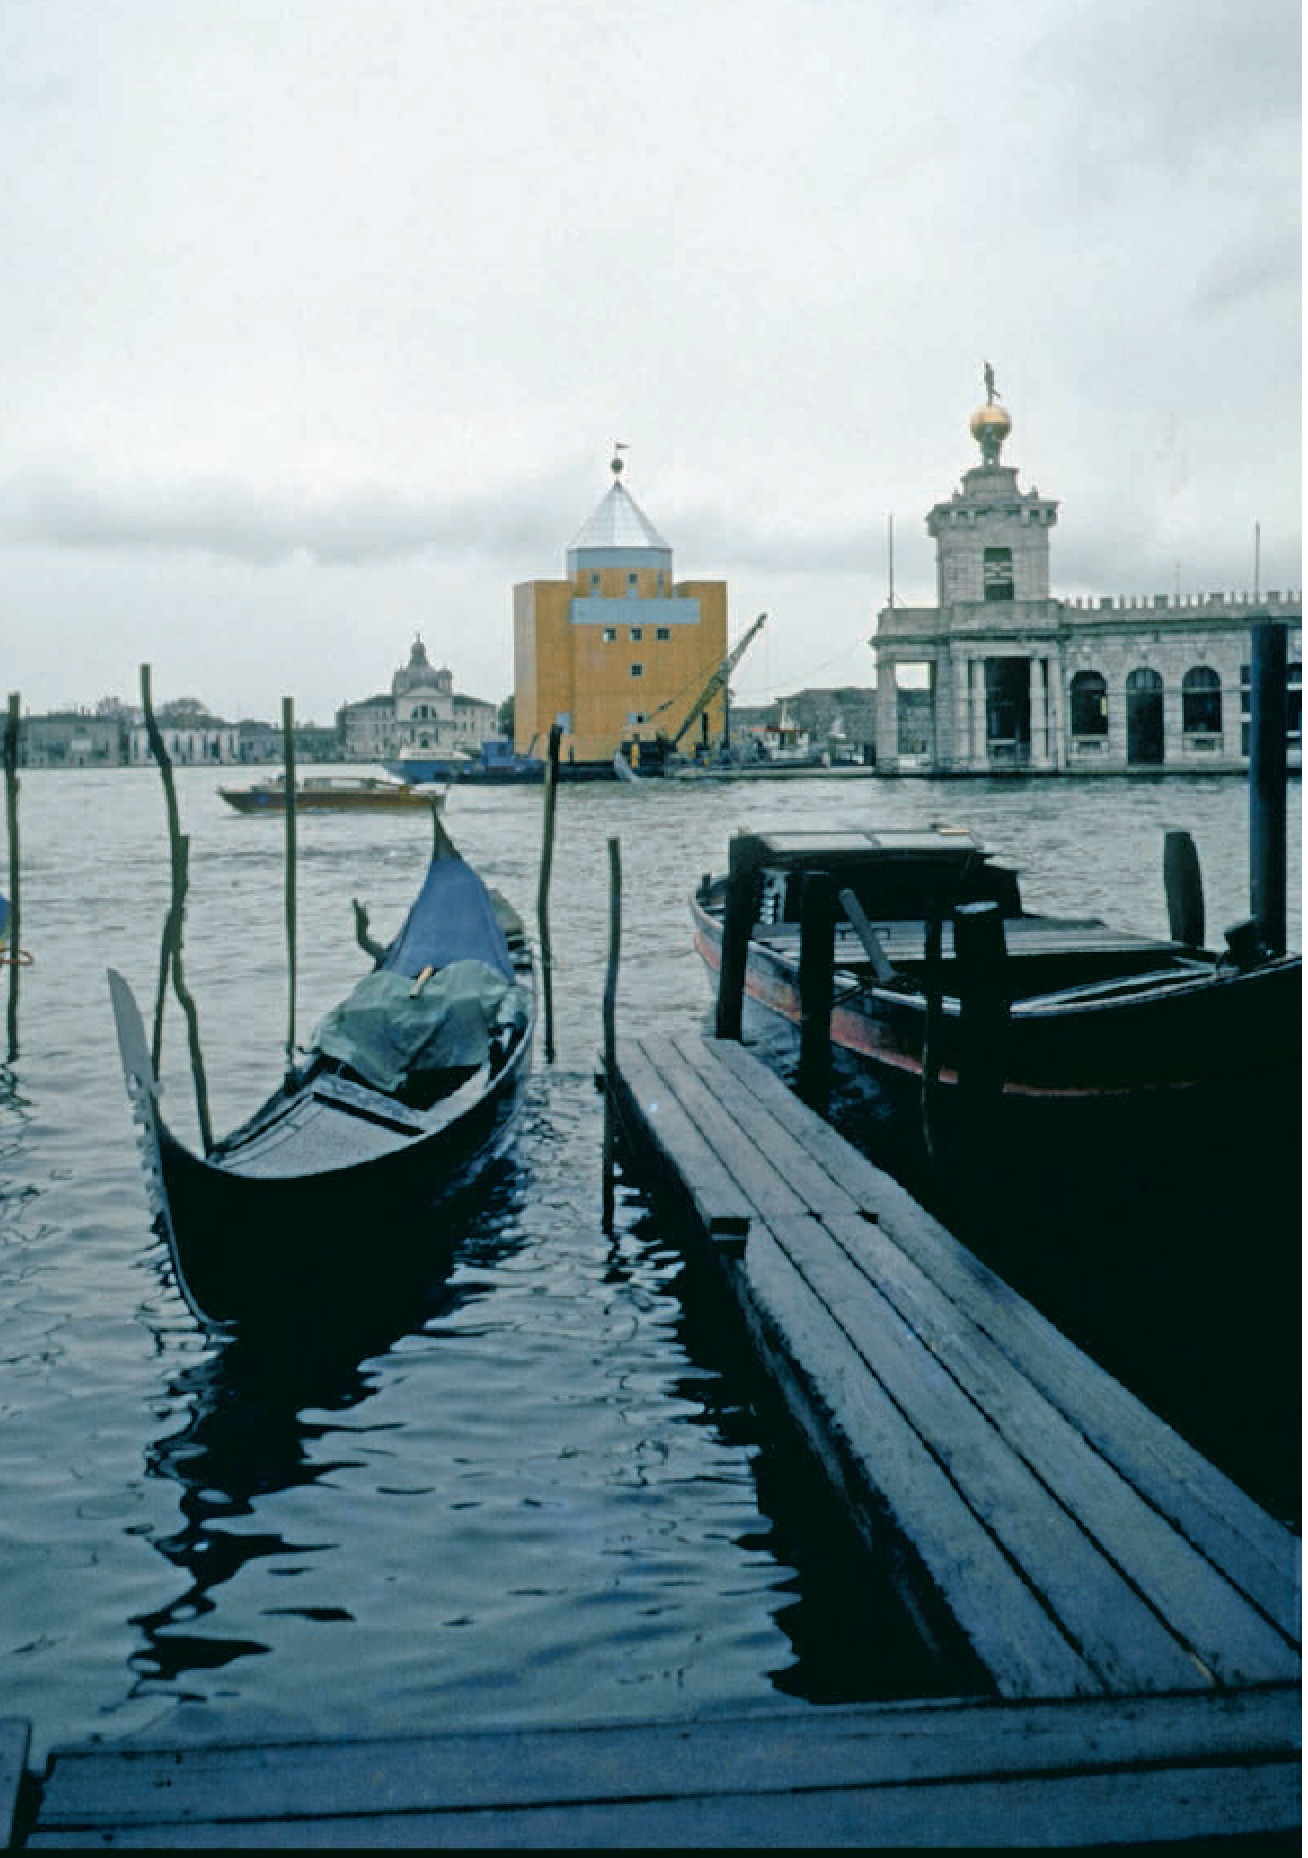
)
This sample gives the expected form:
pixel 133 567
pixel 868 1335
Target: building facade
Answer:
pixel 619 653
pixel 191 741
pixel 1018 680
pixel 423 712
pixel 73 739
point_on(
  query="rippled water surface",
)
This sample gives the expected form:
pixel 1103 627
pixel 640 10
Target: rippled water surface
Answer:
pixel 548 1493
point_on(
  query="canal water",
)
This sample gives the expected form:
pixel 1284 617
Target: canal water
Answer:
pixel 553 1491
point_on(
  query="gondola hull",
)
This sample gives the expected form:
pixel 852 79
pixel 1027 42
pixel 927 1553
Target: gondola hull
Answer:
pixel 250 1244
pixel 352 1173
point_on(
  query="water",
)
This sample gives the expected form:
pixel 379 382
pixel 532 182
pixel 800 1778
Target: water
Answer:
pixel 553 1492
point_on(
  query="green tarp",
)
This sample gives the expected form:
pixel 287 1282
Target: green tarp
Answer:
pixel 392 1039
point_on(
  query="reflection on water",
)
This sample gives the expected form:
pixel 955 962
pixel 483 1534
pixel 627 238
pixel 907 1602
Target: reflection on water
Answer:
pixel 249 1435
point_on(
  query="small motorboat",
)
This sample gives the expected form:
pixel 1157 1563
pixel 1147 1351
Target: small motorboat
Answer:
pixel 335 793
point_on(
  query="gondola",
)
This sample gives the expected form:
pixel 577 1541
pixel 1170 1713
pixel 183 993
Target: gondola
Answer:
pixel 1090 1027
pixel 408 1093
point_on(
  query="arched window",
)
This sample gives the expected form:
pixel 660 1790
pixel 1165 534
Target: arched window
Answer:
pixel 1201 701
pixel 1089 704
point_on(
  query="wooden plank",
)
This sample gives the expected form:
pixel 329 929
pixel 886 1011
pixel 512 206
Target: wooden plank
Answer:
pixel 641 1094
pixel 871 1775
pixel 848 1412
pixel 1198 1605
pixel 1131 1810
pixel 1256 1552
pixel 764 1186
pixel 15 1735
pixel 1124 1642
pixel 739 1111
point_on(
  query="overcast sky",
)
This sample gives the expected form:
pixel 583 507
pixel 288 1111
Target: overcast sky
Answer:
pixel 320 318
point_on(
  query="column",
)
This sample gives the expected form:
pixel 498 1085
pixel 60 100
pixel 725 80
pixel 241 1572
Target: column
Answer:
pixel 887 715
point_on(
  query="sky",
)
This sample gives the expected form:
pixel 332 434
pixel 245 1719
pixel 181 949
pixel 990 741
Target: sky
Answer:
pixel 321 318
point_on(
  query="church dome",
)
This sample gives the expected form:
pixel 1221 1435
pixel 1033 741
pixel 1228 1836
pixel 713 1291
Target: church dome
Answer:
pixel 419 673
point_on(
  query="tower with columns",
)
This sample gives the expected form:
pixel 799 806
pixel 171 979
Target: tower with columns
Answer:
pixel 1020 681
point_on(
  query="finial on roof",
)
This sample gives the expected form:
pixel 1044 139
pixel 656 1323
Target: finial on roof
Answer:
pixel 616 464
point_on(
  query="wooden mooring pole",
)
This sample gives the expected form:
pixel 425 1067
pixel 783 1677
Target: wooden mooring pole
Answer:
pixel 980 960
pixel 933 1021
pixel 817 961
pixel 543 890
pixel 170 954
pixel 288 761
pixel 739 912
pixel 15 892
pixel 1267 771
pixel 610 1021
pixel 1184 886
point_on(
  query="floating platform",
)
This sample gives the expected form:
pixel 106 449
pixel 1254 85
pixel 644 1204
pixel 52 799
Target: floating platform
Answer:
pixel 1131 1615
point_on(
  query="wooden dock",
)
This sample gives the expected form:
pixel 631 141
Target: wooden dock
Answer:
pixel 1131 1615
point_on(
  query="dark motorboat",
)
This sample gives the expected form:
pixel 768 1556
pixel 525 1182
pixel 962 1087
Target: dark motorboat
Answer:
pixel 409 1091
pixel 1082 1017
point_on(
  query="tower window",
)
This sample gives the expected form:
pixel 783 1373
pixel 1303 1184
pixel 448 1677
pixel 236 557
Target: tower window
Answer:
pixel 663 632
pixel 637 632
pixel 633 581
pixel 997 574
pixel 638 670
pixel 610 635
pixel 594 581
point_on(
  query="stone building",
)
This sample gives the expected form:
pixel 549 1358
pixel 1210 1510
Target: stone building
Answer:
pixel 191 736
pixel 423 711
pixel 1019 680
pixel 73 739
pixel 618 653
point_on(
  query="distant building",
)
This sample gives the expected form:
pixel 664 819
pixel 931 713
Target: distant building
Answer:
pixel 1016 679
pixel 422 711
pixel 617 653
pixel 73 739
pixel 191 736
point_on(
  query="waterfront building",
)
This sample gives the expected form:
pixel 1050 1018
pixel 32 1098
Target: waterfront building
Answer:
pixel 1017 679
pixel 422 711
pixel 191 736
pixel 619 652
pixel 73 739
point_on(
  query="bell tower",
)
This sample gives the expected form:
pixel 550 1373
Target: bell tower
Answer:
pixel 992 539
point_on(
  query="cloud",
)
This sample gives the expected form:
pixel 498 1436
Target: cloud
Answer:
pixel 242 521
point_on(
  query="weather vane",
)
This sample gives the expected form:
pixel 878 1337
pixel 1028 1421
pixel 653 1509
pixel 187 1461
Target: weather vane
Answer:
pixel 619 445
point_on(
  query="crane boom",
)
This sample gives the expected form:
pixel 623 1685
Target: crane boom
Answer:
pixel 719 677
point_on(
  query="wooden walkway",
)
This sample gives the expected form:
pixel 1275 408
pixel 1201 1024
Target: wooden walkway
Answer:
pixel 1133 1615
pixel 974 1774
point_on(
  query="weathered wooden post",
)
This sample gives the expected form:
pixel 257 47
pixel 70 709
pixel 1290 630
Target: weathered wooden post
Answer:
pixel 817 962
pixel 933 1018
pixel 1185 890
pixel 170 955
pixel 15 888
pixel 288 762
pixel 610 1020
pixel 980 961
pixel 739 912
pixel 1267 768
pixel 543 889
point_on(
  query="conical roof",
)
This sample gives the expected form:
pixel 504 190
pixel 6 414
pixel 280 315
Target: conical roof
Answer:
pixel 618 534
